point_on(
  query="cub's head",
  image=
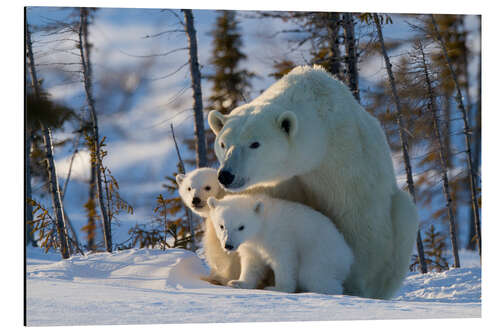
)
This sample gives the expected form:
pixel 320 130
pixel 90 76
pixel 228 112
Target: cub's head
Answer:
pixel 196 187
pixel 261 145
pixel 236 219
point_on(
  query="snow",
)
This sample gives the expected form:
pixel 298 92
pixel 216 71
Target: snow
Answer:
pixel 143 286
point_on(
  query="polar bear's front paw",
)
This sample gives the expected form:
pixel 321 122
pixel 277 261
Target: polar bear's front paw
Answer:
pixel 239 284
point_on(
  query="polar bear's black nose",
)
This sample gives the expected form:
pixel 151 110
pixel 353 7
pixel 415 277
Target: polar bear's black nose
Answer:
pixel 228 247
pixel 196 201
pixel 225 177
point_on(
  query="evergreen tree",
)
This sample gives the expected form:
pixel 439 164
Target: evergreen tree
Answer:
pixel 230 83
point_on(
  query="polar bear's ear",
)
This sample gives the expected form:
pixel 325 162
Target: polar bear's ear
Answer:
pixel 216 121
pixel 179 178
pixel 287 121
pixel 257 208
pixel 212 202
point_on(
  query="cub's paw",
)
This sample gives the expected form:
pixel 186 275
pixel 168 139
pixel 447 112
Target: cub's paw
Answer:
pixel 239 284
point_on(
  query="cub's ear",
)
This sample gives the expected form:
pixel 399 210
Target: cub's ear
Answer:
pixel 258 207
pixel 216 121
pixel 287 121
pixel 179 178
pixel 212 202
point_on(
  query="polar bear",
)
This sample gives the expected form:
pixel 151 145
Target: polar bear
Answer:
pixel 194 189
pixel 308 127
pixel 301 245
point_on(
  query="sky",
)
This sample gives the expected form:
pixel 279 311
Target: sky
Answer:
pixel 140 149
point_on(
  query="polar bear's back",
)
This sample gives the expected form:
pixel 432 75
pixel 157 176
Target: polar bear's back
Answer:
pixel 305 83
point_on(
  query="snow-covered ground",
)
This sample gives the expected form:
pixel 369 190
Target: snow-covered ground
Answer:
pixel 142 286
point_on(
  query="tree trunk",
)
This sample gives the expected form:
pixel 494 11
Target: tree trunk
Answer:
pixel 55 193
pixel 74 241
pixel 402 136
pixel 477 147
pixel 27 181
pixel 333 26
pixel 87 79
pixel 189 215
pixel 351 54
pixel 467 133
pixel 447 127
pixel 199 126
pixel 51 169
pixel 442 158
pixel 91 227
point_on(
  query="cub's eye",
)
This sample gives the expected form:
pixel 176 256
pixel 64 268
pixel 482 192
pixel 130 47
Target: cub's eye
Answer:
pixel 207 188
pixel 189 188
pixel 221 227
pixel 222 145
pixel 241 228
pixel 255 145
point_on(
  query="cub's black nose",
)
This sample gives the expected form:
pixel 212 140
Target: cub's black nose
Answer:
pixel 225 177
pixel 228 247
pixel 196 201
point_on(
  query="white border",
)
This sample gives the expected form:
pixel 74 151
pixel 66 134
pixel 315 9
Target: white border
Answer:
pixel 11 63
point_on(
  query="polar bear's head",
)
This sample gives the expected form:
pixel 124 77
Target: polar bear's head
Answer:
pixel 196 187
pixel 263 144
pixel 236 219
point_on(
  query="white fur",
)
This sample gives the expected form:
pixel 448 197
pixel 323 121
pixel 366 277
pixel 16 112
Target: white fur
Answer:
pixel 338 154
pixel 224 266
pixel 301 245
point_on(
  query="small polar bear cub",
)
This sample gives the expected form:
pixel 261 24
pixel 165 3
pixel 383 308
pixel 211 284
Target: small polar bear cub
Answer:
pixel 302 246
pixel 195 188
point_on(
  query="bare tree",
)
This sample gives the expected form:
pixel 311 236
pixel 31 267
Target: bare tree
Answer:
pixel 467 132
pixel 442 151
pixel 51 169
pixel 351 54
pixel 90 227
pixel 27 182
pixel 186 210
pixel 477 143
pixel 402 136
pixel 332 28
pixel 199 126
pixel 83 46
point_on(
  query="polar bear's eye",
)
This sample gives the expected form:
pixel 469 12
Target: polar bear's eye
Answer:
pixel 207 188
pixel 255 145
pixel 189 188
pixel 241 228
pixel 222 145
pixel 221 227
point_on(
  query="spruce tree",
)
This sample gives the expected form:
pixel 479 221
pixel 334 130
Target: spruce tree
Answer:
pixel 230 83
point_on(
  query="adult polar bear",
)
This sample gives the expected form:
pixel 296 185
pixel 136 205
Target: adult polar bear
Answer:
pixel 309 126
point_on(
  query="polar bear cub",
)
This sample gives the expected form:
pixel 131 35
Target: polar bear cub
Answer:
pixel 302 246
pixel 195 188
